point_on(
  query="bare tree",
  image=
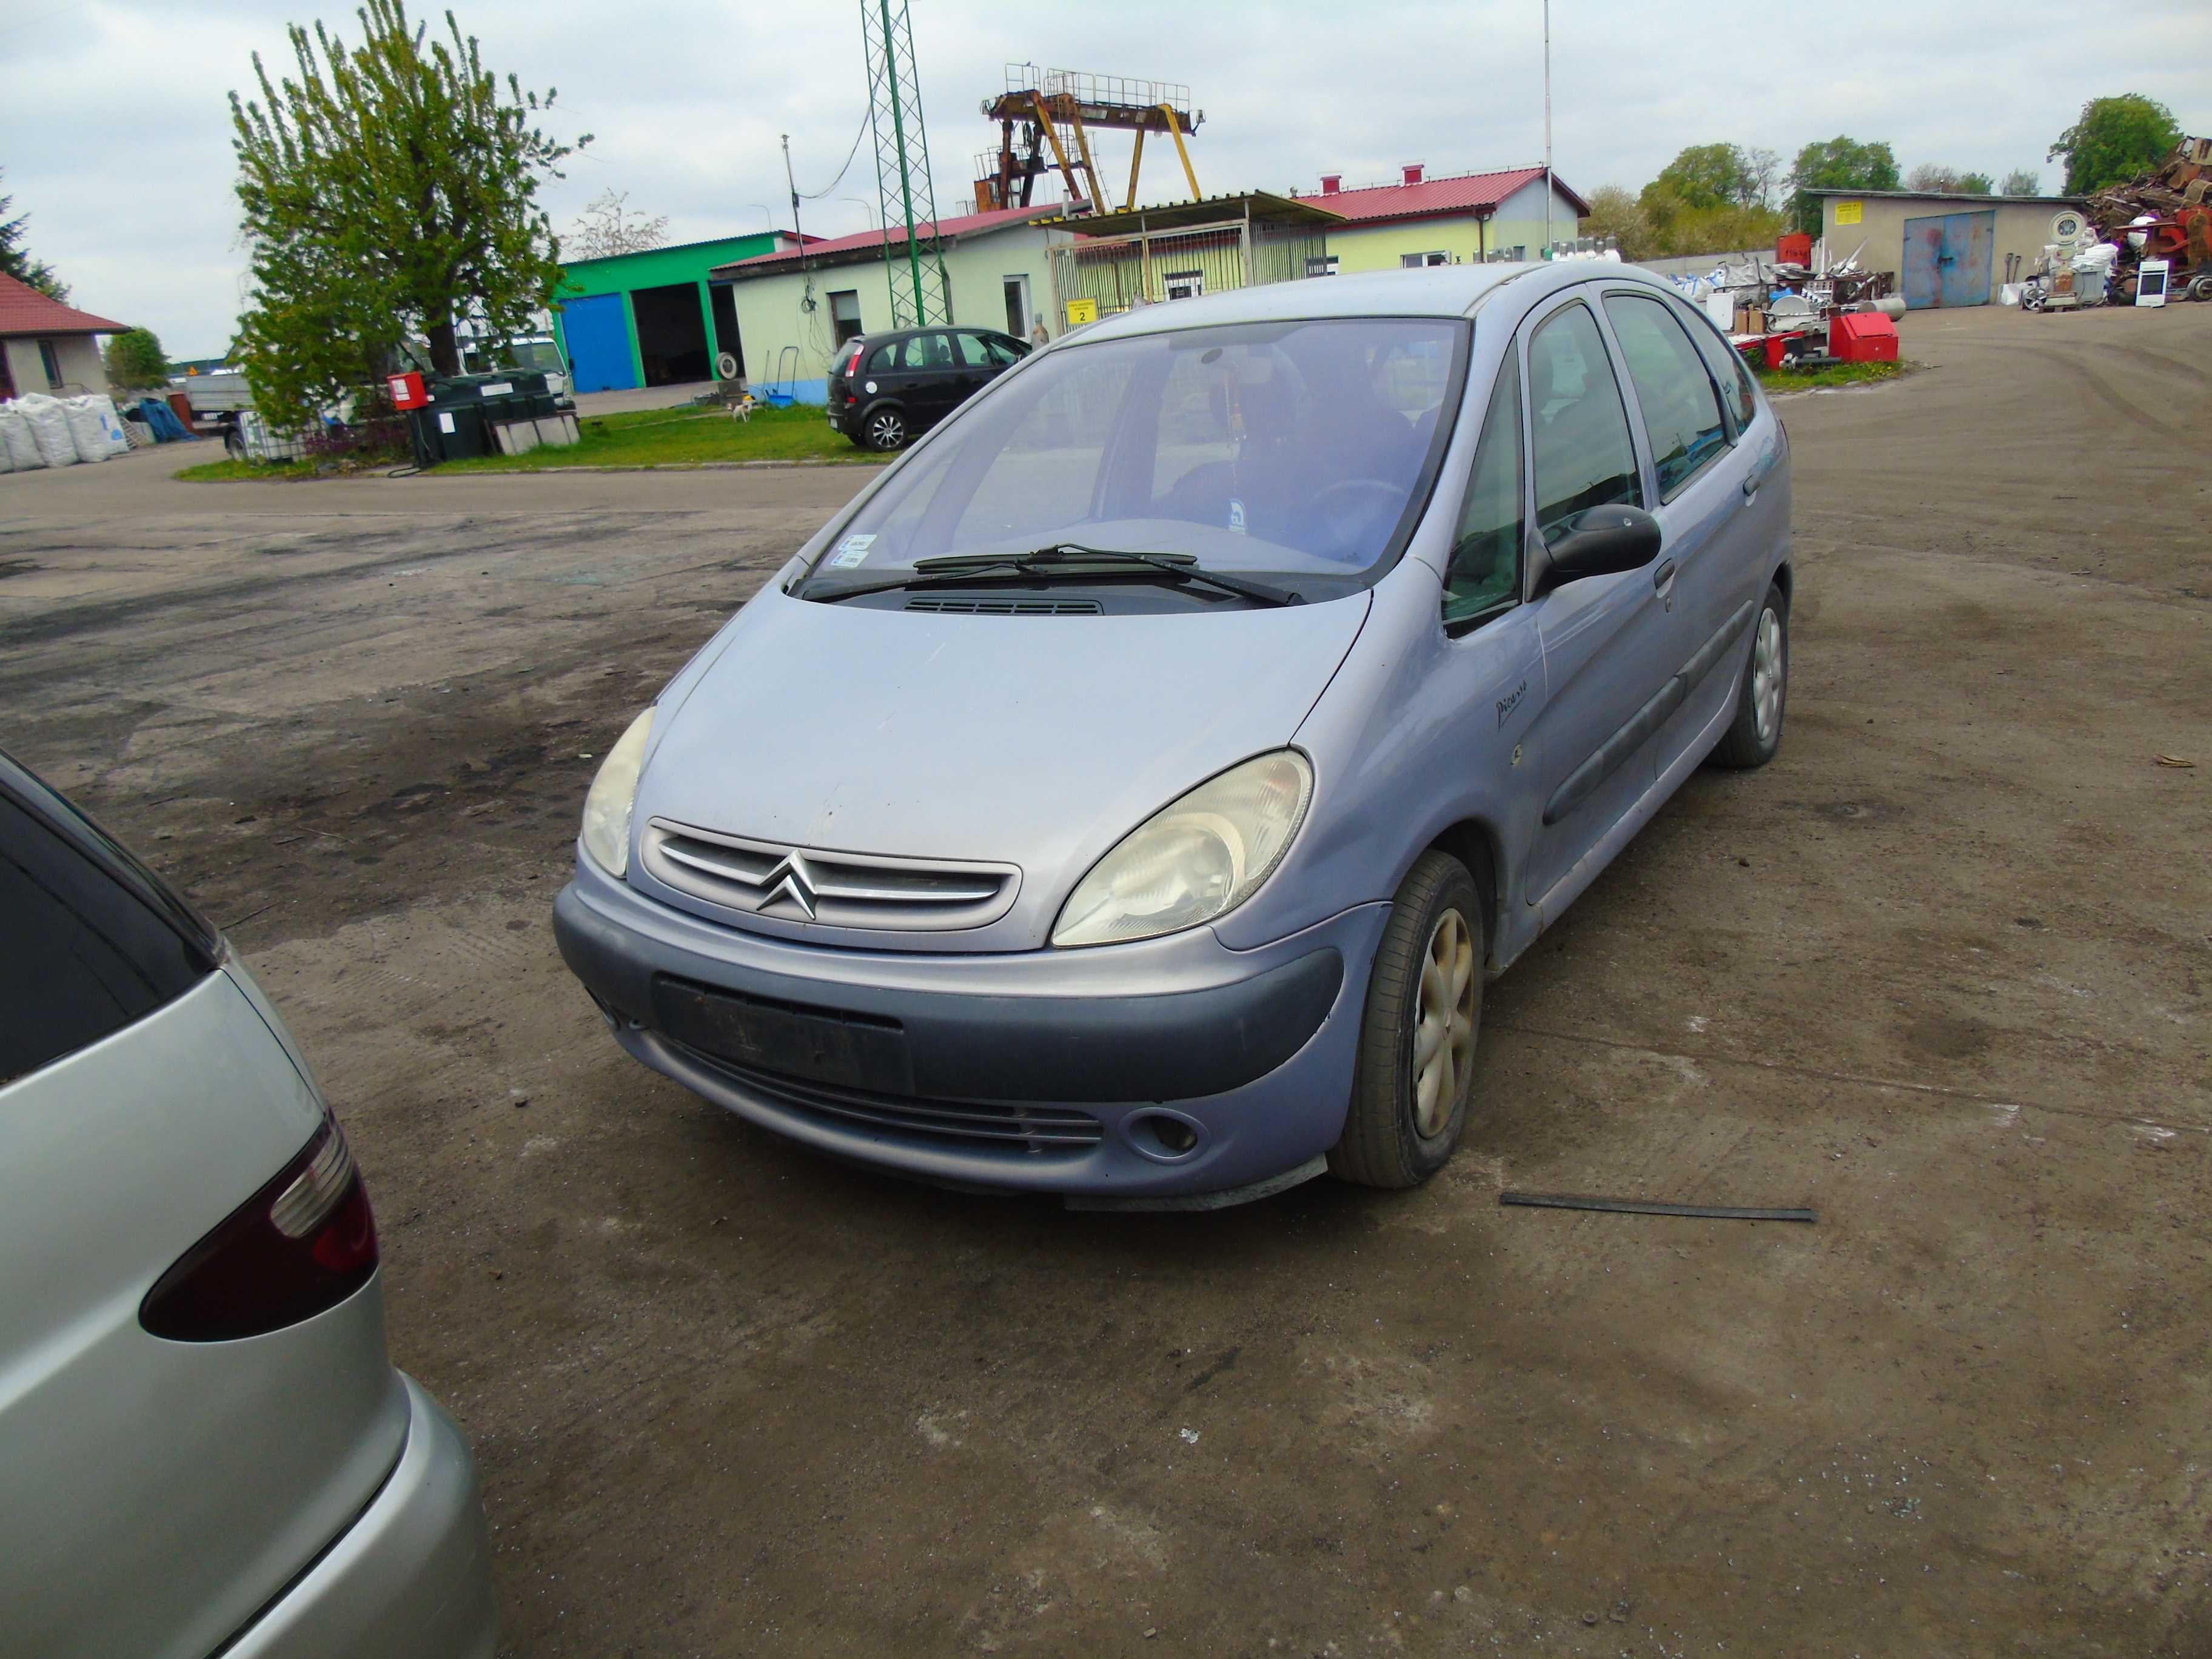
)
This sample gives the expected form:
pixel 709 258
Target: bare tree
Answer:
pixel 607 226
pixel 1762 171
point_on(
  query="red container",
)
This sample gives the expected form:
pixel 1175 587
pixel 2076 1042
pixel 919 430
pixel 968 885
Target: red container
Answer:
pixel 1862 337
pixel 1793 249
pixel 407 392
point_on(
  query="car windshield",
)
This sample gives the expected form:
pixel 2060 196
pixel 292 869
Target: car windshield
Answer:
pixel 1289 447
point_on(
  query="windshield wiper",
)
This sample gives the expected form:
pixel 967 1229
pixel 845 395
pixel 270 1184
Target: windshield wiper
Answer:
pixel 1066 562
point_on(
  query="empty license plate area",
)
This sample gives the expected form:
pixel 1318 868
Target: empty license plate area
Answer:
pixel 819 1044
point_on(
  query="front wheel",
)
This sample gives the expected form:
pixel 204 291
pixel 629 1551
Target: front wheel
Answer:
pixel 885 430
pixel 1417 1038
pixel 1764 697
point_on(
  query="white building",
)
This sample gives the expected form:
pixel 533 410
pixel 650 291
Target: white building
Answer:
pixel 46 346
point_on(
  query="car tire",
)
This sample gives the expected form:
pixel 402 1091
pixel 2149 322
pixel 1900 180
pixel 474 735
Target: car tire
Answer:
pixel 1408 1112
pixel 1763 698
pixel 884 430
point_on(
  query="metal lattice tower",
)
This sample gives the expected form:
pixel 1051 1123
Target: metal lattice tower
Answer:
pixel 915 268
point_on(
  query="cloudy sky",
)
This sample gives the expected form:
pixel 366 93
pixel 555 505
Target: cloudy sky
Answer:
pixel 115 133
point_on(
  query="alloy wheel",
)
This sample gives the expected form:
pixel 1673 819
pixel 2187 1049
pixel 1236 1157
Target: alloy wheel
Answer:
pixel 886 430
pixel 1444 1027
pixel 1766 676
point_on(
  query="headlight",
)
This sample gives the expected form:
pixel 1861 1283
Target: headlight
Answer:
pixel 1195 860
pixel 606 809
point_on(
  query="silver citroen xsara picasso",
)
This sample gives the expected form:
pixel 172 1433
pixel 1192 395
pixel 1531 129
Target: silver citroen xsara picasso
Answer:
pixel 1127 796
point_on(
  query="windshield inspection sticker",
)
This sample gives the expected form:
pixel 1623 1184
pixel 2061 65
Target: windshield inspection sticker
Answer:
pixel 852 551
pixel 1235 516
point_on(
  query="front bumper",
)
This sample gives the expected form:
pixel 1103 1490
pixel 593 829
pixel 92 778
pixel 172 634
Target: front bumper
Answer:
pixel 412 1576
pixel 1173 1067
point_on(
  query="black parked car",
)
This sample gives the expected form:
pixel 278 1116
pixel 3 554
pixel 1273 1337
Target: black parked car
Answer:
pixel 884 388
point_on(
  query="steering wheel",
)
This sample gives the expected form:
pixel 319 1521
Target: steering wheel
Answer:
pixel 1353 517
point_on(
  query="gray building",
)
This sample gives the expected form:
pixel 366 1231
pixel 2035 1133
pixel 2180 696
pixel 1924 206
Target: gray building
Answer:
pixel 1945 249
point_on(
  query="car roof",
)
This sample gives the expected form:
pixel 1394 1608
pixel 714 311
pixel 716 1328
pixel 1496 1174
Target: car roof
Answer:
pixel 1435 291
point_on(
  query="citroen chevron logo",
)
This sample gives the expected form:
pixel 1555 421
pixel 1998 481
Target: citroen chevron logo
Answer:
pixel 790 879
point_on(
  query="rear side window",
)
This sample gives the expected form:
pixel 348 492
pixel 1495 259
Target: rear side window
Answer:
pixel 883 359
pixel 1583 451
pixel 84 956
pixel 1727 365
pixel 1485 557
pixel 1681 414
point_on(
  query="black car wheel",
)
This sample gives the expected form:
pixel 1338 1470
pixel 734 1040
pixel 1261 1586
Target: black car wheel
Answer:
pixel 884 430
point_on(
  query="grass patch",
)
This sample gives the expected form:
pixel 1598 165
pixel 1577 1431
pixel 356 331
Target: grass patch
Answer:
pixel 246 472
pixel 1810 380
pixel 683 437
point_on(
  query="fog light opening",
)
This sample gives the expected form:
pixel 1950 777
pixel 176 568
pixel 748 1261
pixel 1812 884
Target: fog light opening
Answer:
pixel 1171 1135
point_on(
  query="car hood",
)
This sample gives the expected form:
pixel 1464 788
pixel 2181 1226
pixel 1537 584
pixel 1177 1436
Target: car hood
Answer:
pixel 1033 741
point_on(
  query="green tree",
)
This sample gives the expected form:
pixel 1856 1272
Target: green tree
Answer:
pixel 1840 163
pixel 1704 176
pixel 15 259
pixel 388 191
pixel 1942 180
pixel 135 361
pixel 1613 212
pixel 1976 183
pixel 2022 181
pixel 2116 139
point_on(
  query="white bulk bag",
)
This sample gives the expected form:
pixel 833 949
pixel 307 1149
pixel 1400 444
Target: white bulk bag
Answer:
pixel 119 440
pixel 49 429
pixel 87 430
pixel 15 437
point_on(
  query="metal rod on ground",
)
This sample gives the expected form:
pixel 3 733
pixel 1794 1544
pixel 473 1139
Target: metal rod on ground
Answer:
pixel 1652 1206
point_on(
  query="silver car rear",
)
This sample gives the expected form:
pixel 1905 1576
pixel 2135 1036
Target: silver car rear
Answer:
pixel 167 1164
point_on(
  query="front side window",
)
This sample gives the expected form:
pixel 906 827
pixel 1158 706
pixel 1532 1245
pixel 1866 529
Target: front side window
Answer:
pixel 84 957
pixel 1681 412
pixel 1287 446
pixel 1583 455
pixel 1726 363
pixel 1485 572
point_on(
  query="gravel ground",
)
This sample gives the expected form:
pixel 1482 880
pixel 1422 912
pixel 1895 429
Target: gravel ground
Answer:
pixel 1940 972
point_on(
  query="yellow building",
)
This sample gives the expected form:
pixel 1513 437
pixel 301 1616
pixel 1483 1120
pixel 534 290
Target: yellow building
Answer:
pixel 794 307
pixel 1460 220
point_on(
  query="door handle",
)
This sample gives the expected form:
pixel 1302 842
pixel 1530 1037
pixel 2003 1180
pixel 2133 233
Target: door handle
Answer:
pixel 1663 574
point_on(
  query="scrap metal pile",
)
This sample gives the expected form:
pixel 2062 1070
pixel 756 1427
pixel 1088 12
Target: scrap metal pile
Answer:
pixel 1797 311
pixel 2138 243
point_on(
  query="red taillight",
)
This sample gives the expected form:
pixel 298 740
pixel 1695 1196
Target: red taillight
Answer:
pixel 853 362
pixel 304 1242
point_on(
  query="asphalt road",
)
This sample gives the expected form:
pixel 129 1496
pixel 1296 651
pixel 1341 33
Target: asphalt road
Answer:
pixel 1940 972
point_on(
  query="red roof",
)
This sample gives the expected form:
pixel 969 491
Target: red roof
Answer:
pixel 947 230
pixel 1470 192
pixel 24 310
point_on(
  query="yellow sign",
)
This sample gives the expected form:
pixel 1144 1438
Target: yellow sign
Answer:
pixel 1850 213
pixel 1080 311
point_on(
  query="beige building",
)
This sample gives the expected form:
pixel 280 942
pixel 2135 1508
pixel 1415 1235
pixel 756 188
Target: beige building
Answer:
pixel 794 307
pixel 1945 250
pixel 46 346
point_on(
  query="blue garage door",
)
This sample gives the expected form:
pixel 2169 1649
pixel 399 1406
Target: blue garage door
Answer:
pixel 597 332
pixel 1947 257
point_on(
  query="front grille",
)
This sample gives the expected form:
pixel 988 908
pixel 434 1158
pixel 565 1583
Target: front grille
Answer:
pixel 834 890
pixel 1037 1131
pixel 1007 607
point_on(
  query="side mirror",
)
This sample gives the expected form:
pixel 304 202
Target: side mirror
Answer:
pixel 1599 541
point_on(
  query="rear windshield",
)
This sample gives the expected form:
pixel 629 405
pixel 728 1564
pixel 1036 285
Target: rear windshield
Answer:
pixel 1298 447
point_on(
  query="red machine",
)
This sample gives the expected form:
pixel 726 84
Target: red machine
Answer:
pixel 1862 336
pixel 407 392
pixel 1793 249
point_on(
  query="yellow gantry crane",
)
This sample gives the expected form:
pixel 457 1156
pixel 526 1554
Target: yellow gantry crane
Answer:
pixel 1056 111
